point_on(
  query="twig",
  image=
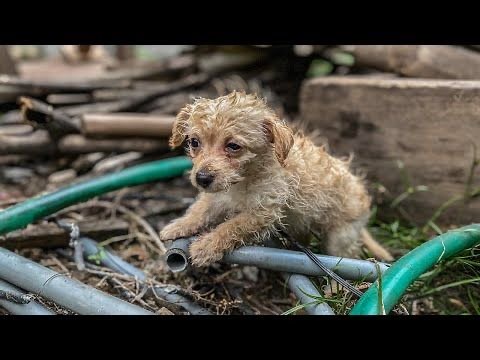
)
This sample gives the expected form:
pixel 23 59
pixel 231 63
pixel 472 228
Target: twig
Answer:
pixel 141 294
pixel 14 297
pixel 98 270
pixel 153 234
pixel 114 239
pixel 122 289
pixel 128 294
pixel 57 262
pixel 42 116
pixel 146 240
pixel 100 283
pixel 265 309
pixel 113 279
pixel 110 274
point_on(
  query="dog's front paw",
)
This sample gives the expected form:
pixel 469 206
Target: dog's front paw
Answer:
pixel 205 251
pixel 175 230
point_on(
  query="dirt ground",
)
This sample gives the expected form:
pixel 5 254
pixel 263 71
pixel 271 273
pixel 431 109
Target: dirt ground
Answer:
pixel 224 289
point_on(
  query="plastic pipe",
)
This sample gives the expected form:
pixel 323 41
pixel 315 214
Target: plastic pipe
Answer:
pixel 108 259
pixel 301 286
pixel 114 262
pixel 177 260
pixel 169 294
pixel 24 213
pixel 407 269
pixel 294 262
pixel 32 308
pixel 59 288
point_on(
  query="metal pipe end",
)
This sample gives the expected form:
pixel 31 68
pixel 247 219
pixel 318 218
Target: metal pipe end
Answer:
pixel 177 260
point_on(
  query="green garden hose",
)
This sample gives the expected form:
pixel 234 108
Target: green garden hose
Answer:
pixel 22 214
pixel 395 280
pixel 407 269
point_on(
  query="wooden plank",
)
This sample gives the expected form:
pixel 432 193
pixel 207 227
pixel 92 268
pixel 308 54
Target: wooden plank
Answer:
pixel 139 70
pixel 127 124
pixel 38 143
pixel 68 99
pixel 77 144
pixel 125 52
pixel 141 99
pixel 429 125
pixel 49 235
pixel 25 86
pixel 426 61
pixel 7 65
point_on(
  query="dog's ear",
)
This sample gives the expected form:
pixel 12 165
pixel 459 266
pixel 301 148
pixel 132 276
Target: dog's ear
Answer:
pixel 280 135
pixel 180 127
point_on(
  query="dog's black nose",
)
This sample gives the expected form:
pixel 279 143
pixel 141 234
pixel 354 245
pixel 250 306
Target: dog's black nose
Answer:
pixel 204 179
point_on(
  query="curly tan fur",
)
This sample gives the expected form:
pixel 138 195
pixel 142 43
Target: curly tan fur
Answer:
pixel 275 181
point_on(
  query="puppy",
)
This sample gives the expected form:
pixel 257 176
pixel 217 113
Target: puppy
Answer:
pixel 257 179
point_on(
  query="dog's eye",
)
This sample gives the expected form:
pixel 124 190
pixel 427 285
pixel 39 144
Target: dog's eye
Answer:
pixel 194 143
pixel 233 147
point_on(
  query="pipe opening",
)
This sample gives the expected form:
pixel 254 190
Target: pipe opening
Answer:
pixel 176 260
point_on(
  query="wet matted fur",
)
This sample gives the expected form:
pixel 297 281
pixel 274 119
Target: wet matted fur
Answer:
pixel 257 177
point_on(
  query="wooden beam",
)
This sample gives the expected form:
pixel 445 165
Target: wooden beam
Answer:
pixel 78 144
pixel 49 235
pixel 125 52
pixel 428 125
pixel 127 124
pixel 425 61
pixel 7 65
pixel 38 143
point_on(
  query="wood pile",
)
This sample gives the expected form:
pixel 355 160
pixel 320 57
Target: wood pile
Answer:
pixel 413 122
pixel 56 130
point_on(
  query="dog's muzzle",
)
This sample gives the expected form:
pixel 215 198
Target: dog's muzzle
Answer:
pixel 204 179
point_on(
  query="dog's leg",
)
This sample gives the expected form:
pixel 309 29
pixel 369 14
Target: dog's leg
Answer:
pixel 375 248
pixel 200 214
pixel 225 237
pixel 345 240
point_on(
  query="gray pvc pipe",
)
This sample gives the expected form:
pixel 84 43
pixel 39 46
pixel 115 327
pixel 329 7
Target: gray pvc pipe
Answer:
pixel 107 259
pixel 301 286
pixel 168 294
pixel 72 294
pixel 114 262
pixel 294 262
pixel 32 308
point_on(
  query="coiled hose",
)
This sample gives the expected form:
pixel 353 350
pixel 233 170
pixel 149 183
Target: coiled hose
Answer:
pixel 395 280
pixel 411 266
pixel 24 213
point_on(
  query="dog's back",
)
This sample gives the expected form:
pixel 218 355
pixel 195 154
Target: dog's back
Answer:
pixel 329 199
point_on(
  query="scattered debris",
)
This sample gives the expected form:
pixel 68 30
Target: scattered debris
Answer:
pixel 60 131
